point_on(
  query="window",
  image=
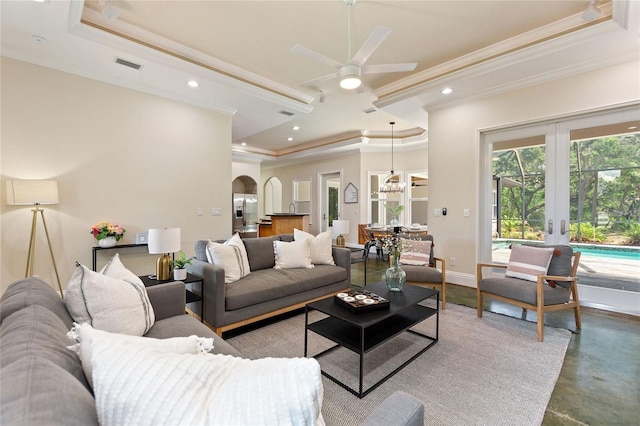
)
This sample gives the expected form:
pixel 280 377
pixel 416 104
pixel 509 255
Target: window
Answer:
pixel 302 196
pixel 381 205
pixel 418 192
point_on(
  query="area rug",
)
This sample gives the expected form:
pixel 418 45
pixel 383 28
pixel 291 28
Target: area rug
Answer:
pixel 482 371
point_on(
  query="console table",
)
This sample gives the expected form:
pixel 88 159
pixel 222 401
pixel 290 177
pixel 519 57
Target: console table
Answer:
pixel 94 251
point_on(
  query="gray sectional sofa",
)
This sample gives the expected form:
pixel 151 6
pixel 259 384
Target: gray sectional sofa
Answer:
pixel 266 291
pixel 43 381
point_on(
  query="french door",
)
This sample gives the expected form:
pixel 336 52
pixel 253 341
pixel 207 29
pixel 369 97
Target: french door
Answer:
pixel 553 182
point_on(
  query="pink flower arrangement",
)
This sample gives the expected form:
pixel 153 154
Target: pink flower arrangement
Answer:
pixel 105 229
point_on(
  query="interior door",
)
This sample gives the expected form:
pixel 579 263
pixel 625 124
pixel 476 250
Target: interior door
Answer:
pixel 331 199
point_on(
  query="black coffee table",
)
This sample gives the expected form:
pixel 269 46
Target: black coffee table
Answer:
pixel 363 332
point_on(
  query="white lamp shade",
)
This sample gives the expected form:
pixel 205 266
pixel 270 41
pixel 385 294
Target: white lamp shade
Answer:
pixel 340 227
pixel 30 192
pixel 164 240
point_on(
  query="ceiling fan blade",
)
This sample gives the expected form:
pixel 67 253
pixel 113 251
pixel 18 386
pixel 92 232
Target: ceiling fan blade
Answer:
pixel 370 45
pixel 301 50
pixel 377 69
pixel 319 79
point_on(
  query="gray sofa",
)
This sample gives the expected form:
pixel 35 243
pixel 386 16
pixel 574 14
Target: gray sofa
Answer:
pixel 43 382
pixel 265 292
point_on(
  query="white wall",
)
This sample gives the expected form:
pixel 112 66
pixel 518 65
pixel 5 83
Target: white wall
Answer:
pixel 118 155
pixel 454 141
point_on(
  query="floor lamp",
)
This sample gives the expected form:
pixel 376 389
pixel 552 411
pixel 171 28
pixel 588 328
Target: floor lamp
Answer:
pixel 35 193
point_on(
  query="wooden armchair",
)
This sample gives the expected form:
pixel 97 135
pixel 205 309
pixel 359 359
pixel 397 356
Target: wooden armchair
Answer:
pixel 429 275
pixel 555 291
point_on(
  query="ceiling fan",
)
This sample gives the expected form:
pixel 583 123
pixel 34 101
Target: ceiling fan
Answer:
pixel 351 71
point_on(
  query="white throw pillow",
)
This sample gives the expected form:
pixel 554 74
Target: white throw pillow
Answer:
pixel 417 252
pixel 527 262
pixel 296 254
pixel 107 303
pixel 321 248
pixel 116 269
pixel 135 384
pixel 231 256
pixel 85 336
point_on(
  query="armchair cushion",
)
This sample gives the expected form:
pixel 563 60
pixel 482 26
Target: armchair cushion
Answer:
pixel 527 262
pixel 423 274
pixel 418 253
pixel 524 291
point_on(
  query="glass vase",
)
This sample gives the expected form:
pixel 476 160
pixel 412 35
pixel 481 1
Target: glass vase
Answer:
pixel 395 276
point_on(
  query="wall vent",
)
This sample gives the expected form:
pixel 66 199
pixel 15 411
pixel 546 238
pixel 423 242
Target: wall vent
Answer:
pixel 369 110
pixel 287 113
pixel 128 63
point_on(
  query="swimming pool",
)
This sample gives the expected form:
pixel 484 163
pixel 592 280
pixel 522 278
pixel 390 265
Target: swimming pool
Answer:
pixel 600 250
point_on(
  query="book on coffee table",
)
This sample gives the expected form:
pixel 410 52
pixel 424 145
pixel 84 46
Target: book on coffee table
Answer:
pixel 361 301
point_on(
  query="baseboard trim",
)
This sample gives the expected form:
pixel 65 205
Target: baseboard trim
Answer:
pixel 467 280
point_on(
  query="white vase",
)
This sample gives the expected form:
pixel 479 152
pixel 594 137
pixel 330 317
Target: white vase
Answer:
pixel 107 242
pixel 179 274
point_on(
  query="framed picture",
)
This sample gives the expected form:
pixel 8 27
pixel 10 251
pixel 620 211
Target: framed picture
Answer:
pixel 350 194
pixel 142 238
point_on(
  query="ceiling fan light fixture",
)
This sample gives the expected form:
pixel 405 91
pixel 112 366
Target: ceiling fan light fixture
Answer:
pixel 350 77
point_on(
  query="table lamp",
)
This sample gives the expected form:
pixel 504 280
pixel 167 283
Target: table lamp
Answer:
pixel 340 227
pixel 35 193
pixel 163 241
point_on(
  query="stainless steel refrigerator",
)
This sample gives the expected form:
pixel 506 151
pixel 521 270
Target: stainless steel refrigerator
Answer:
pixel 245 213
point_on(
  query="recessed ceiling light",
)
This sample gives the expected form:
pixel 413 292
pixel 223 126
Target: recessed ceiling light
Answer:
pixel 447 90
pixel 192 83
pixel 243 144
pixel 289 139
pixel 296 128
pixel 632 127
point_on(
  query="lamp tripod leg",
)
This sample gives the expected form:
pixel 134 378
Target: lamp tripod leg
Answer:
pixel 32 244
pixel 53 260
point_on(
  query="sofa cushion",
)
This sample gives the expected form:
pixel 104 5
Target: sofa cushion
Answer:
pixel 185 325
pixel 116 269
pixel 527 262
pixel 36 391
pixel 38 331
pixel 524 291
pixel 107 303
pixel 260 252
pixel 321 253
pixel 231 256
pixel 265 285
pixel 296 254
pixel 200 249
pixel 33 291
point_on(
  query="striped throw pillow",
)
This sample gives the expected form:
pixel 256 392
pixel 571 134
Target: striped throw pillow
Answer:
pixel 528 262
pixel 417 253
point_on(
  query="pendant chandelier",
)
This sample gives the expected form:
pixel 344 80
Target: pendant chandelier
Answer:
pixel 391 183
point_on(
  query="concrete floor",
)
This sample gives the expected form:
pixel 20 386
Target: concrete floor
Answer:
pixel 599 383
